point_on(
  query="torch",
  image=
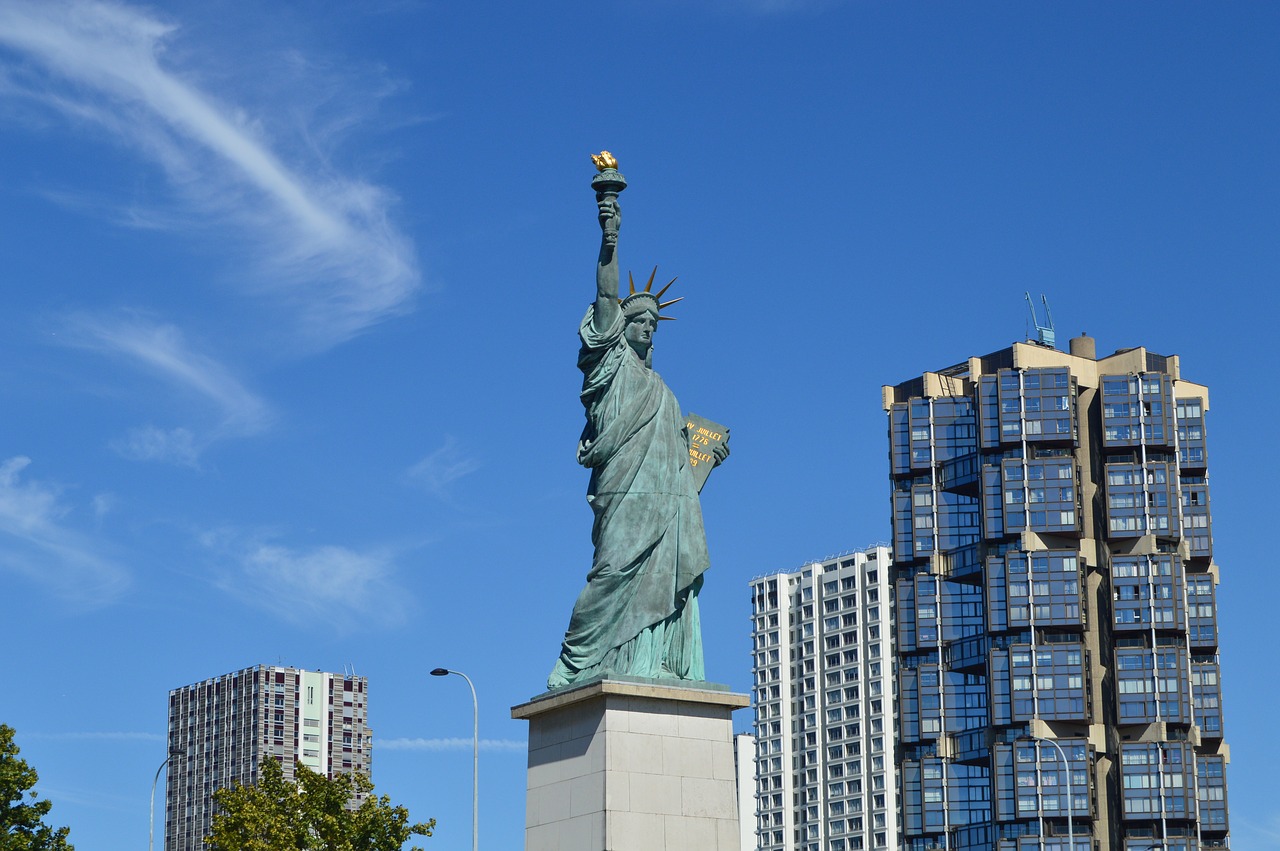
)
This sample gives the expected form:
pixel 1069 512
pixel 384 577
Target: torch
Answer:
pixel 607 184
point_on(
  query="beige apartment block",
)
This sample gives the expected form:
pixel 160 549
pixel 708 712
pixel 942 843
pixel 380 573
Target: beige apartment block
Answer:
pixel 221 730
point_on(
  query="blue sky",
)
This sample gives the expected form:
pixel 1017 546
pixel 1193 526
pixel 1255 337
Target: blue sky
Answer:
pixel 287 354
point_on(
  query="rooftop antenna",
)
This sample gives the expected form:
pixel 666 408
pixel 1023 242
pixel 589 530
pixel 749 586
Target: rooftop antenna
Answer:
pixel 1045 335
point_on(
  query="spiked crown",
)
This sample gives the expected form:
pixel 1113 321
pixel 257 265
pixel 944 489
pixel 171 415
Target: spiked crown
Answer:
pixel 638 302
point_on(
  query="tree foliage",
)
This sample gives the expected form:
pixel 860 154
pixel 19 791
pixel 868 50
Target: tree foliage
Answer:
pixel 310 815
pixel 22 813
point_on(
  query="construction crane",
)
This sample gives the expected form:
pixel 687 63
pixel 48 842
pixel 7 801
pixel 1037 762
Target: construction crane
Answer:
pixel 1045 335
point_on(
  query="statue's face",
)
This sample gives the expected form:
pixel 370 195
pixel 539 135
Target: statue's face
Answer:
pixel 639 332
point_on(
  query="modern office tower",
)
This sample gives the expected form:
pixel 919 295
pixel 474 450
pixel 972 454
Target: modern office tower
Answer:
pixel 221 730
pixel 824 698
pixel 1056 628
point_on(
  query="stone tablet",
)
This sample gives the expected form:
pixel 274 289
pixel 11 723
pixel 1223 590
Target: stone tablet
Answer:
pixel 704 435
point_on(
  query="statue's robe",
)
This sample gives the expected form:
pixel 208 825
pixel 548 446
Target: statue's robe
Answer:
pixel 638 614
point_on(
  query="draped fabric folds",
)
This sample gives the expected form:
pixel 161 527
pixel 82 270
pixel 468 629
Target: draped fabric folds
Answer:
pixel 638 614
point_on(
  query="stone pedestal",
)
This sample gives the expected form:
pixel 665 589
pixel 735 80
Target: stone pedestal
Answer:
pixel 631 765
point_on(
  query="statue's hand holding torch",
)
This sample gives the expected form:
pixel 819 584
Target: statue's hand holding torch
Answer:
pixel 607 184
pixel 610 215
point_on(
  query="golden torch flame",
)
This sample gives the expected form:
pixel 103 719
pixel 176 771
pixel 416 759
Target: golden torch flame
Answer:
pixel 604 160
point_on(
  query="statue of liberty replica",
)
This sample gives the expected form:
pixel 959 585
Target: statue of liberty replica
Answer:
pixel 638 614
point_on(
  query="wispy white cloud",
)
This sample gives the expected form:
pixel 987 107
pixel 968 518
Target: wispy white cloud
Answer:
pixel 103 504
pixel 150 443
pixel 96 736
pixel 1261 834
pixel 327 245
pixel 503 745
pixel 97 799
pixel 162 350
pixel 328 584
pixel 38 542
pixel 441 468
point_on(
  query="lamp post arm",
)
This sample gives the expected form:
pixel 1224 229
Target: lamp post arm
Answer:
pixel 1066 768
pixel 475 764
pixel 1071 798
pixel 475 755
pixel 151 833
pixel 1070 792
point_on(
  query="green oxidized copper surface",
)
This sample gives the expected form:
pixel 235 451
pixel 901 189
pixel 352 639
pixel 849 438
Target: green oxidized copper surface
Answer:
pixel 638 614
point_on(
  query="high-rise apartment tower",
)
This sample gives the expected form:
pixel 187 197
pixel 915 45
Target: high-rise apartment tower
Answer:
pixel 823 668
pixel 1056 623
pixel 221 730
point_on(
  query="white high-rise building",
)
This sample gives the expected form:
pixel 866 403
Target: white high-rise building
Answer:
pixel 221 730
pixel 824 697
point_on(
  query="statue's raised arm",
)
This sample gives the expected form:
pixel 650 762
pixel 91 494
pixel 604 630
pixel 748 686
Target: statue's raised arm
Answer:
pixel 607 265
pixel 607 183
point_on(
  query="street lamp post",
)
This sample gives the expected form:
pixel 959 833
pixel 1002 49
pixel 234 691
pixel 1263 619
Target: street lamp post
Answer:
pixel 151 833
pixel 1066 769
pixel 475 756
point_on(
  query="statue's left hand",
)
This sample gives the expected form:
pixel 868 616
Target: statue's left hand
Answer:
pixel 721 451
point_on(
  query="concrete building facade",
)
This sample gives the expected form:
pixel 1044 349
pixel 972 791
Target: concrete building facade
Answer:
pixel 1056 621
pixel 221 730
pixel 744 772
pixel 824 705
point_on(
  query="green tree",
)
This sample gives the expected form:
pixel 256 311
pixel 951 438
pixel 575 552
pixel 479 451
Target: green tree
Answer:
pixel 310 815
pixel 22 826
